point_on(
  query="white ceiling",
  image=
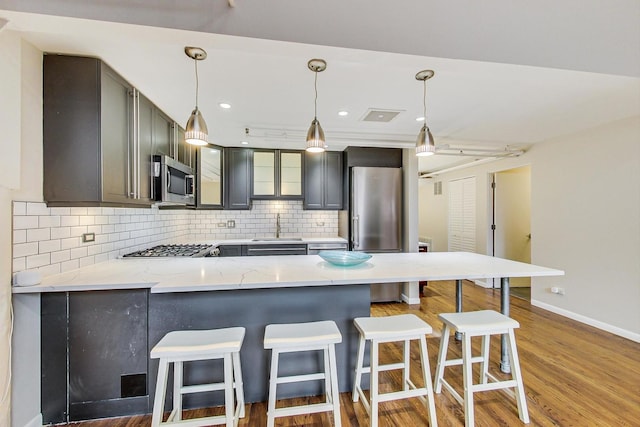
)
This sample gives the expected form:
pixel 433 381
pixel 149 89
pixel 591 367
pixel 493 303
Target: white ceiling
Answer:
pixel 270 88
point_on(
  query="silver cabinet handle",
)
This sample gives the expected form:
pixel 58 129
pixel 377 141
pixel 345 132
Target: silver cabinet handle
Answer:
pixel 356 234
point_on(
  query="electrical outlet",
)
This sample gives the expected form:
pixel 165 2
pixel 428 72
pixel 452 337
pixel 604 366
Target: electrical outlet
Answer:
pixel 558 291
pixel 231 223
pixel 88 237
pixel 222 224
pixel 320 223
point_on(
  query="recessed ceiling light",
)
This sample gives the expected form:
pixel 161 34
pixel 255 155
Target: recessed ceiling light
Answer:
pixel 225 105
pixel 343 113
pixel 419 119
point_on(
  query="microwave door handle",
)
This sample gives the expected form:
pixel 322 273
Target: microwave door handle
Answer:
pixel 189 185
pixel 168 180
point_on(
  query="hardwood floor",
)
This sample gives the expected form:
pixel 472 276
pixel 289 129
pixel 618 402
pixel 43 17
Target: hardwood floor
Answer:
pixel 574 375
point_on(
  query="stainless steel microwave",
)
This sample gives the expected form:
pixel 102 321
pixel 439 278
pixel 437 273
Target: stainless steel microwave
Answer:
pixel 174 182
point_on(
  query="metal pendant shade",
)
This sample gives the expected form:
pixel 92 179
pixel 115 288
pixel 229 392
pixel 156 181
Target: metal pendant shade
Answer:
pixel 196 132
pixel 315 137
pixel 425 145
pixel 315 134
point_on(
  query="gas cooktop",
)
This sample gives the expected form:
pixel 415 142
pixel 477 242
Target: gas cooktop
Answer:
pixel 191 250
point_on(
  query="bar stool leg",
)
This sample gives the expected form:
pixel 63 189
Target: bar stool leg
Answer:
pixel 359 363
pixel 521 399
pixel 442 357
pixel 484 365
pixel 426 375
pixel 228 390
pixel 467 380
pixel 407 367
pixel 374 383
pixel 271 409
pixel 158 402
pixel 177 395
pixel 327 377
pixel 335 391
pixel 237 378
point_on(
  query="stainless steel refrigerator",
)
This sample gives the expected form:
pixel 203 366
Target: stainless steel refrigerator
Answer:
pixel 375 212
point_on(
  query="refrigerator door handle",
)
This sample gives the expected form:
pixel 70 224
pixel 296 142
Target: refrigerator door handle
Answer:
pixel 356 233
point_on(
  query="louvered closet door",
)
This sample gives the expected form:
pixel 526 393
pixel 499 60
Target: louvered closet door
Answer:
pixel 462 215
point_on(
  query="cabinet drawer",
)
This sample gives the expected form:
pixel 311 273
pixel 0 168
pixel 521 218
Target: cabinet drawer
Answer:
pixel 274 249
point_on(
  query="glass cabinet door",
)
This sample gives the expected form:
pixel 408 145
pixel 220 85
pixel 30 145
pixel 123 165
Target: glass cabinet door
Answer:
pixel 264 176
pixel 290 173
pixel 209 177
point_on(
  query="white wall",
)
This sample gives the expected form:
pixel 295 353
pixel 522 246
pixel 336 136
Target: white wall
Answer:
pixel 585 214
pixel 21 171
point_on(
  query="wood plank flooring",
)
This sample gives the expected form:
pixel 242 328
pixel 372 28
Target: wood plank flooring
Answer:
pixel 574 375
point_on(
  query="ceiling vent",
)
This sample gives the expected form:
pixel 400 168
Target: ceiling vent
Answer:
pixel 382 116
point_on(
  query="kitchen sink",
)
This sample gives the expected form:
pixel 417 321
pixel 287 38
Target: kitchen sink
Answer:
pixel 278 239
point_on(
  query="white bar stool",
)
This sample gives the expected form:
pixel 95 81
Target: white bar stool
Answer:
pixel 186 346
pixel 472 324
pixel 294 337
pixel 404 327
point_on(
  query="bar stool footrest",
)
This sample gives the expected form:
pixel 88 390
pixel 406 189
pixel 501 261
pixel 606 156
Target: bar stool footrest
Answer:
pixel 299 378
pixel 301 410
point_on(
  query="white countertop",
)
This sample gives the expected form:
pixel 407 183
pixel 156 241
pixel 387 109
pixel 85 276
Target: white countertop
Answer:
pixel 226 273
pixel 267 240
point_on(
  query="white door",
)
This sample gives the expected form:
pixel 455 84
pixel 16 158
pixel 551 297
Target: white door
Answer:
pixel 512 218
pixel 462 215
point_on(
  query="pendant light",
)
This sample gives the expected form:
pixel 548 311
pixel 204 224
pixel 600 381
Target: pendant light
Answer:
pixel 196 132
pixel 425 146
pixel 315 135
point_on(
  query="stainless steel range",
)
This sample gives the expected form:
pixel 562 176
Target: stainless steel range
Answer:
pixel 189 250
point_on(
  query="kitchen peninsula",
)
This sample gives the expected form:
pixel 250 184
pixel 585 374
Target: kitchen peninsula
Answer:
pixel 160 295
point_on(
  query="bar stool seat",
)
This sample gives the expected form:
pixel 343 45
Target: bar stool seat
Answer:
pixel 178 347
pixel 404 327
pixel 480 323
pixel 295 337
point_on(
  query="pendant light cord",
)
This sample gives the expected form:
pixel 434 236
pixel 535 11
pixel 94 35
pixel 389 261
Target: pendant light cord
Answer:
pixel 424 101
pixel 197 83
pixel 315 101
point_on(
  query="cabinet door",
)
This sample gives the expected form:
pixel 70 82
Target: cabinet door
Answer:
pixel 116 139
pixel 290 174
pixel 163 130
pixel 333 180
pixel 323 180
pixel 237 178
pixel 107 339
pixel 313 180
pixel 144 149
pixel 264 174
pixel 186 152
pixel 209 172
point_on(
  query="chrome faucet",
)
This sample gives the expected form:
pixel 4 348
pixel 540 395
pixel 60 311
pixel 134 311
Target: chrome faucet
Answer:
pixel 278 226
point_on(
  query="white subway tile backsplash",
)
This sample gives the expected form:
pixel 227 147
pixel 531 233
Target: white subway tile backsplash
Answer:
pixel 123 230
pixel 60 256
pixel 49 221
pixel 19 236
pixel 19 208
pixel 48 246
pixel 21 222
pixel 34 208
pixel 35 261
pixel 69 221
pixel 60 232
pixel 38 234
pixel 25 249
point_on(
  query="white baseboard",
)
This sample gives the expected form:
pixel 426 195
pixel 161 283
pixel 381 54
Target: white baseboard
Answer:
pixel 484 283
pixel 35 421
pixel 588 321
pixel 408 300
